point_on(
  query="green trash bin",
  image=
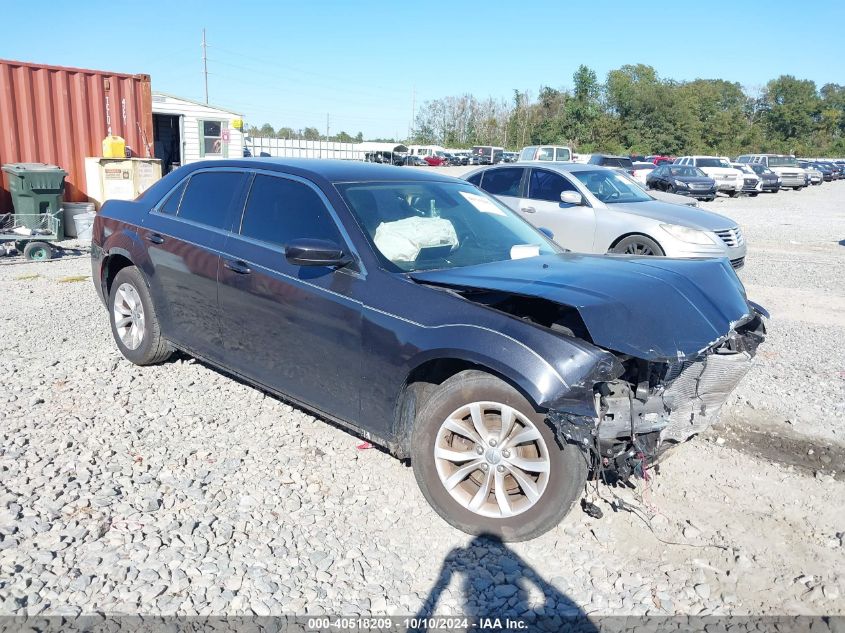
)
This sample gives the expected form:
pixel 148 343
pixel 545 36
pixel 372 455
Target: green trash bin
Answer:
pixel 36 189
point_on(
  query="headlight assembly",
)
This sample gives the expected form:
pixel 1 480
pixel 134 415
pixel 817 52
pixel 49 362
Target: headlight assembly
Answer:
pixel 688 235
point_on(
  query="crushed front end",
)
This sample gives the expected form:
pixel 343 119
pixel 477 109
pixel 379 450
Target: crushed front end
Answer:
pixel 654 405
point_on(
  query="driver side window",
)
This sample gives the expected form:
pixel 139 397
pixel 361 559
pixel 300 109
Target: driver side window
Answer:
pixel 547 185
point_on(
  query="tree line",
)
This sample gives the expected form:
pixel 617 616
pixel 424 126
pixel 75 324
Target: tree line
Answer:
pixel 307 134
pixel 635 111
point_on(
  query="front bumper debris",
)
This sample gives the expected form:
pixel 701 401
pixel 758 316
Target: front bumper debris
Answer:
pixel 666 404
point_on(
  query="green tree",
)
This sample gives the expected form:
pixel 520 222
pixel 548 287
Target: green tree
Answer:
pixel 285 132
pixel 267 131
pixel 311 134
pixel 791 111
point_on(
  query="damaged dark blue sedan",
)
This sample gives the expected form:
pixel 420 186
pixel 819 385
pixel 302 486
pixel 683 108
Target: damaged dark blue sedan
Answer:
pixel 418 311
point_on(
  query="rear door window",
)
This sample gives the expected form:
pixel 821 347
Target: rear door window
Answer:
pixel 476 179
pixel 562 154
pixel 209 196
pixel 546 153
pixel 502 182
pixel 547 185
pixel 280 210
pixel 171 205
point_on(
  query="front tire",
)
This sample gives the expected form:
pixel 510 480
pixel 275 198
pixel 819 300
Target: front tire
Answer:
pixel 637 245
pixel 488 463
pixel 134 323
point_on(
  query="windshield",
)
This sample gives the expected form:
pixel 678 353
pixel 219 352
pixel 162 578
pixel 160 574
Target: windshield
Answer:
pixel 611 187
pixel 782 161
pixel 710 162
pixel 687 171
pixel 429 225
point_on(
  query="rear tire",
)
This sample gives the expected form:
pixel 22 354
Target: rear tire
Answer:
pixel 134 323
pixel 637 245
pixel 465 415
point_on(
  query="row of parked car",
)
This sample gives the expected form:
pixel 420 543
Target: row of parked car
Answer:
pixel 702 177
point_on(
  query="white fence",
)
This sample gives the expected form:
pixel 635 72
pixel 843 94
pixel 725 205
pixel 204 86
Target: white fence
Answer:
pixel 300 148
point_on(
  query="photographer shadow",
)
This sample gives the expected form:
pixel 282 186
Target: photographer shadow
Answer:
pixel 497 584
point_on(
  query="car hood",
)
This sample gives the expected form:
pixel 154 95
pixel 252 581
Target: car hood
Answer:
pixel 702 180
pixel 675 214
pixel 720 171
pixel 654 308
pixel 673 198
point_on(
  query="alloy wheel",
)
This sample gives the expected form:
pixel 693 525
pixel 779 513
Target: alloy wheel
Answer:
pixel 129 319
pixel 638 248
pixel 492 459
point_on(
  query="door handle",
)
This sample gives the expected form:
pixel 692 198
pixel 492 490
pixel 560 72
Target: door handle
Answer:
pixel 527 209
pixel 238 266
pixel 155 238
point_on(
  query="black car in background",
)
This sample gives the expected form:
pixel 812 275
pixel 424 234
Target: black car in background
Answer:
pixel 769 180
pixel 827 167
pixel 385 158
pixel 609 160
pixel 685 180
pixel 453 160
pixel 827 172
pixel 421 313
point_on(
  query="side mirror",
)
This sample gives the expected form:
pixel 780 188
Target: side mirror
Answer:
pixel 307 252
pixel 547 232
pixel 571 197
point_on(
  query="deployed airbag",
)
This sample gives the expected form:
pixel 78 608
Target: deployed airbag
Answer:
pixel 402 240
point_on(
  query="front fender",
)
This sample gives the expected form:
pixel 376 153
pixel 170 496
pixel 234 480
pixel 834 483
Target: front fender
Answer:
pixel 561 377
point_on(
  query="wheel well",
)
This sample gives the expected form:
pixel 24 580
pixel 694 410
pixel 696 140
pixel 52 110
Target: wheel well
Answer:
pixel 113 265
pixel 634 233
pixel 420 384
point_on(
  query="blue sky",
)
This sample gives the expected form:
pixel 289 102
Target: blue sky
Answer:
pixel 291 63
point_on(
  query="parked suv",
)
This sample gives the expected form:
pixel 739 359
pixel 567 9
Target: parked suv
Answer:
pixel 727 178
pixel 751 182
pixel 791 175
pixel 426 316
pixel 769 180
pixel 816 173
pixel 546 153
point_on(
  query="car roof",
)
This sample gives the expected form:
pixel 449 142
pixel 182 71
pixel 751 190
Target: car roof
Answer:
pixel 330 170
pixel 566 167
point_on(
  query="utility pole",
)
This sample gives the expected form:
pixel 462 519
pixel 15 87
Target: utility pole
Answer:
pixel 205 65
pixel 327 136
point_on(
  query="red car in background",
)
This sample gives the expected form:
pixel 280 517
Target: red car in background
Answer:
pixel 434 160
pixel 659 160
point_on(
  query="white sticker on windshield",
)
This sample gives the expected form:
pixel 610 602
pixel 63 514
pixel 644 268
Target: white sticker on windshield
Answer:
pixel 521 251
pixel 481 203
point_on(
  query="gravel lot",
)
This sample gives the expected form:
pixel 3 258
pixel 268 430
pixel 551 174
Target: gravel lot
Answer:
pixel 174 489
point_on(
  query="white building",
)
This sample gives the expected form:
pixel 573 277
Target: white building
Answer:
pixel 186 131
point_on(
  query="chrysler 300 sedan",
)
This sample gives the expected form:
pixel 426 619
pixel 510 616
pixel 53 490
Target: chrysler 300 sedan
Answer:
pixel 593 209
pixel 424 315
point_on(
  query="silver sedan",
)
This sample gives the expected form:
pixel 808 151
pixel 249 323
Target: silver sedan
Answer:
pixel 592 209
